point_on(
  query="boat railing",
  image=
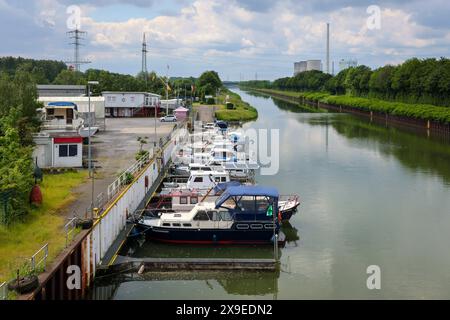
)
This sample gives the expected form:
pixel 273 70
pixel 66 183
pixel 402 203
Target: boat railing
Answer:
pixel 288 199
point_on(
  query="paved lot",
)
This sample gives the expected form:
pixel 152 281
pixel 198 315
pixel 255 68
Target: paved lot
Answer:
pixel 206 113
pixel 114 151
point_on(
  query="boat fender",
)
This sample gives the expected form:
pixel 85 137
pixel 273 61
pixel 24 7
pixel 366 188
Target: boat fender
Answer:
pixel 141 269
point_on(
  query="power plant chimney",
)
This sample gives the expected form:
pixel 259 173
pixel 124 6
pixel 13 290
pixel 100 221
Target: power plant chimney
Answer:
pixel 328 49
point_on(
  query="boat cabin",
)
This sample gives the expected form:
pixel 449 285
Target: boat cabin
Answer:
pixel 205 180
pixel 250 202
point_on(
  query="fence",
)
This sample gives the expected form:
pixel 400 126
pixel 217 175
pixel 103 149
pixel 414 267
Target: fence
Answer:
pixel 70 229
pixel 3 291
pixel 39 258
pixel 37 263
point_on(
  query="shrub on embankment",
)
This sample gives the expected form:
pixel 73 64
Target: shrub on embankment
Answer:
pixel 417 111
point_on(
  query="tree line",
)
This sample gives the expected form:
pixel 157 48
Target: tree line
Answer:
pixel 19 118
pixel 416 80
pixel 18 121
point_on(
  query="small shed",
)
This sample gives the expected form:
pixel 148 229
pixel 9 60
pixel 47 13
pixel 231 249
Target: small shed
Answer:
pixel 181 113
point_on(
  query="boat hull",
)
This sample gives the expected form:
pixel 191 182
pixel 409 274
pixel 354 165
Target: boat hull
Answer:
pixel 207 236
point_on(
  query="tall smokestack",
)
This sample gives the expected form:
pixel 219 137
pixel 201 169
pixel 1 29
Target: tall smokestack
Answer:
pixel 328 49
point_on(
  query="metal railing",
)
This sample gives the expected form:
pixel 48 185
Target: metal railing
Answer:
pixel 69 229
pixel 3 291
pixel 39 258
pixel 114 187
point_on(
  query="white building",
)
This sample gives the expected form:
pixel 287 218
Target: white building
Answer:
pixel 52 90
pixel 131 104
pixel 299 67
pixel 58 150
pixel 307 65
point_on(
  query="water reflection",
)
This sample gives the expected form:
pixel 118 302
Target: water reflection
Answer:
pixel 415 151
pixel 252 284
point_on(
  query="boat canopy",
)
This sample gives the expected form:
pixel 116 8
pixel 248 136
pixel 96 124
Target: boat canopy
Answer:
pixel 241 191
pixel 225 185
pixel 222 124
pixel 62 104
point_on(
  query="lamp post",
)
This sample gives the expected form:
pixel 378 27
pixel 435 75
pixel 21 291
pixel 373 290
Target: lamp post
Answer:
pixel 90 166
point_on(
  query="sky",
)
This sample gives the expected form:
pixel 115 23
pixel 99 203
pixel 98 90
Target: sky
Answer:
pixel 240 39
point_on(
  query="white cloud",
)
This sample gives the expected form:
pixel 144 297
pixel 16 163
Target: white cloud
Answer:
pixel 225 32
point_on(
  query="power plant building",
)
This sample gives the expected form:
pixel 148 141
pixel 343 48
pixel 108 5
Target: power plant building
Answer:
pixel 307 65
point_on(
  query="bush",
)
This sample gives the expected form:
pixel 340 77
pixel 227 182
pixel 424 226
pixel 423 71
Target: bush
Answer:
pixel 230 106
pixel 210 101
pixel 141 154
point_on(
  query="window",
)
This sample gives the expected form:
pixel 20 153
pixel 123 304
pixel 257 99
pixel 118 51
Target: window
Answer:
pixel 213 216
pixel 194 200
pixel 183 200
pixel 187 225
pixel 166 224
pixel 225 216
pixel 73 150
pixel 63 150
pixel 198 179
pixel 176 225
pixel 68 150
pixel 201 216
pixel 50 112
pixel 224 179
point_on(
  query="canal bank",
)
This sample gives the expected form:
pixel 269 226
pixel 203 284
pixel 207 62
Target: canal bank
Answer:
pixel 390 115
pixel 371 195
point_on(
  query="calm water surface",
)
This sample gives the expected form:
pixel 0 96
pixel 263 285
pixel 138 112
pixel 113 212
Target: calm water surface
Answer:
pixel 371 195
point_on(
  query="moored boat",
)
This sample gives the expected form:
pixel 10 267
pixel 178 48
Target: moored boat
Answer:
pixel 241 215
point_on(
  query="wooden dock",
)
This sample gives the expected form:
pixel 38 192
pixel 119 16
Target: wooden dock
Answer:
pixel 126 264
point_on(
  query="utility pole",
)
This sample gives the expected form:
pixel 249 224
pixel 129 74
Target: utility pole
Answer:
pixel 144 61
pixel 167 91
pixel 90 164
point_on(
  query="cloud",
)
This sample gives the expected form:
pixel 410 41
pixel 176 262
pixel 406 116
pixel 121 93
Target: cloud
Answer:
pixel 236 36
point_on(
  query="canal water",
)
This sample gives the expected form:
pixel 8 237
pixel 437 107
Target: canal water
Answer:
pixel 371 195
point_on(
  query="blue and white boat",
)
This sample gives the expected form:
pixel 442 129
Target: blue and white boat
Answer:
pixel 241 215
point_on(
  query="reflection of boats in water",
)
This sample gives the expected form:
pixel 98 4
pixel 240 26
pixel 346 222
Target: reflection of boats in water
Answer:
pixel 246 283
pixel 290 232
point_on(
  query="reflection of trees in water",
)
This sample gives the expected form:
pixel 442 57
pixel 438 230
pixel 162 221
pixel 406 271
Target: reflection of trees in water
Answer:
pixel 295 108
pixel 256 94
pixel 252 283
pixel 414 151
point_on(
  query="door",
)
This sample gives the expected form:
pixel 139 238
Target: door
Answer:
pixel 69 116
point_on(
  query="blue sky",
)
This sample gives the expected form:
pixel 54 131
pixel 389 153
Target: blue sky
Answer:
pixel 238 38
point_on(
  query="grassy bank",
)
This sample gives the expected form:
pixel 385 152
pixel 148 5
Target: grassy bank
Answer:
pixel 417 111
pixel 242 112
pixel 43 225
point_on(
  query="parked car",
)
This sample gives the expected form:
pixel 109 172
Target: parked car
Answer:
pixel 169 118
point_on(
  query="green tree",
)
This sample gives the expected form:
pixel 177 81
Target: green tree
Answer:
pixel 209 82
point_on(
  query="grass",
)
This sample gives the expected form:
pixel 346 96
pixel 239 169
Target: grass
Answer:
pixel 43 225
pixel 242 112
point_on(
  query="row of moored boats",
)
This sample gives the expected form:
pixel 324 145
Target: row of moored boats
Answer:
pixel 209 196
